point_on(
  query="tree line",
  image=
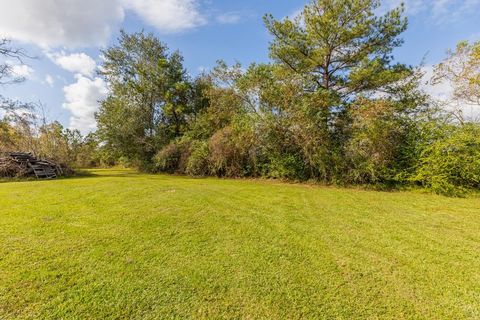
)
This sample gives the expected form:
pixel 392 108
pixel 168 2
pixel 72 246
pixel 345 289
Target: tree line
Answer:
pixel 333 105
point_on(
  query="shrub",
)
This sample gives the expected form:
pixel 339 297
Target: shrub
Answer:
pixel 173 157
pixel 197 164
pixel 233 150
pixel 224 154
pixel 125 162
pixel 451 165
pixel 289 166
pixel 379 138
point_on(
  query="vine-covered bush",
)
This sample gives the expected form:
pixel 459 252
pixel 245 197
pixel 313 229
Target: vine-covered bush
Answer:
pixel 451 165
pixel 173 157
pixel 379 138
pixel 198 162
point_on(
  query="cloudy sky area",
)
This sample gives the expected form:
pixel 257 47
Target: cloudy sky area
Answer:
pixel 66 37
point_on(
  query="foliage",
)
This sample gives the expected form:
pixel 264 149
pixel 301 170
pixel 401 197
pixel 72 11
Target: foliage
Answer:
pixel 223 102
pixel 451 164
pixel 382 142
pixel 332 106
pixel 461 68
pixel 148 105
pixel 226 158
pixel 341 48
pixel 22 132
pixel 173 157
pixel 233 151
pixel 8 136
pixel 337 51
pixel 198 162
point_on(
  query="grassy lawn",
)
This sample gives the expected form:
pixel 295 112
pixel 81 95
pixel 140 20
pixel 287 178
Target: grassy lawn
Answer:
pixel 126 245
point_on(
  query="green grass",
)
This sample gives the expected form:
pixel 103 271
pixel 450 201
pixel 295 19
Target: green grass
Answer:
pixel 134 246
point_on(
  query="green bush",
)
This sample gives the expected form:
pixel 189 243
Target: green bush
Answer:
pixel 197 164
pixel 288 166
pixel 378 142
pixel 125 162
pixel 451 165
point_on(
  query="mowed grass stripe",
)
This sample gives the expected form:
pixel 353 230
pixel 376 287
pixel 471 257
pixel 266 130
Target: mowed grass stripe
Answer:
pixel 125 245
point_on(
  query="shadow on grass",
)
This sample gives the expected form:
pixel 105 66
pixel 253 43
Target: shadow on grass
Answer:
pixel 79 174
pixel 102 173
pixel 132 173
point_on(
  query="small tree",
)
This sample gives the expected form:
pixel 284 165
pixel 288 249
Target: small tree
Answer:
pixel 461 68
pixel 148 104
pixel 339 51
pixel 450 164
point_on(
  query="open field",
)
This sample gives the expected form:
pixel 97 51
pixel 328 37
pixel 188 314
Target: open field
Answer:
pixel 126 245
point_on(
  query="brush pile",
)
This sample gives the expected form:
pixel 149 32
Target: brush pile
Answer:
pixel 17 165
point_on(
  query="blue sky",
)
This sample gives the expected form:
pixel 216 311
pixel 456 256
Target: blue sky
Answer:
pixel 66 37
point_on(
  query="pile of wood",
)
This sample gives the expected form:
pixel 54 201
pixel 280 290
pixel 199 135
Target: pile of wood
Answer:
pixel 17 164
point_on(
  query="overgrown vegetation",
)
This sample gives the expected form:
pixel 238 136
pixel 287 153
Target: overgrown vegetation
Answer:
pixel 333 105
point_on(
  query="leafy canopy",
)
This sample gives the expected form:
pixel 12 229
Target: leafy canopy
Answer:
pixel 340 46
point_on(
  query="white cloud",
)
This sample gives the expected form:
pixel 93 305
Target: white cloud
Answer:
pixel 49 80
pixel 75 62
pixel 441 91
pixel 81 23
pixel 437 10
pixel 229 18
pixel 51 23
pixel 168 16
pixel 22 70
pixel 82 100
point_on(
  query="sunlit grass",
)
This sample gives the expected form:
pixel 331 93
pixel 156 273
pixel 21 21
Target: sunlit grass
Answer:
pixel 125 245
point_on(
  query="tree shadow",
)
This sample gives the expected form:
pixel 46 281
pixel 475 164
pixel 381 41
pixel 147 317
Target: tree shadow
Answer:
pixel 80 174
